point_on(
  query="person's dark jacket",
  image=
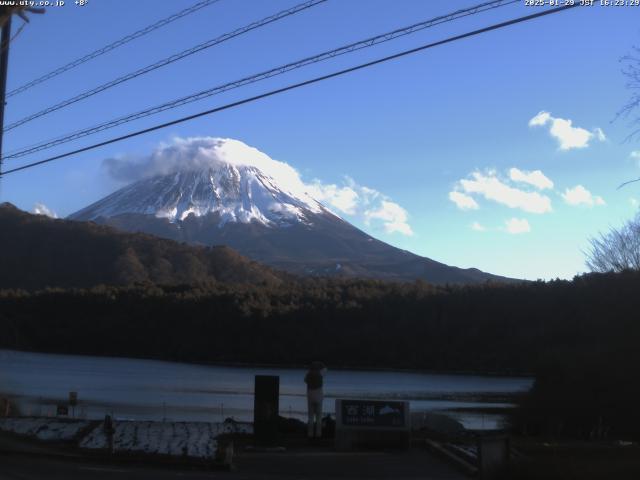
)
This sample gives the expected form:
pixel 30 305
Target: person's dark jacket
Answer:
pixel 313 379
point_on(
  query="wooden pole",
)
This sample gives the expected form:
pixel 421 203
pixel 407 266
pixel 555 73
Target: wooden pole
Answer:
pixel 4 64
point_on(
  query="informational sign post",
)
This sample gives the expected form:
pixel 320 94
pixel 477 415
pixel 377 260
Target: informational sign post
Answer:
pixel 372 423
pixel 266 405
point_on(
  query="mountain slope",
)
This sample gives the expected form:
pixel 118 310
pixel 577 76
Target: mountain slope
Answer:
pixel 214 191
pixel 37 251
pixel 328 246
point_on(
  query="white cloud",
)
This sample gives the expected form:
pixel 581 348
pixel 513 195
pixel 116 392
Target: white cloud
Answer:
pixel 579 195
pixel 634 202
pixel 393 215
pixel 196 153
pixel 42 209
pixel 492 188
pixel 363 202
pixel 517 225
pixel 478 227
pixel 345 198
pixel 635 154
pixel 563 130
pixel 535 178
pixel 540 119
pixel 463 201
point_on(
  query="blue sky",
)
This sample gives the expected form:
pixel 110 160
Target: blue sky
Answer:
pixel 447 137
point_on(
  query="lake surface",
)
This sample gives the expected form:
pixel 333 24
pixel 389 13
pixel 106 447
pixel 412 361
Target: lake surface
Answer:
pixel 152 389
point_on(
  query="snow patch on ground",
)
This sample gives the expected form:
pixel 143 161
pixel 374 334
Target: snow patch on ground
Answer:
pixel 184 439
pixel 190 439
pixel 45 429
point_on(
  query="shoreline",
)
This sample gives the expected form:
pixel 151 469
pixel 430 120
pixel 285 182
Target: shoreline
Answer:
pixel 475 373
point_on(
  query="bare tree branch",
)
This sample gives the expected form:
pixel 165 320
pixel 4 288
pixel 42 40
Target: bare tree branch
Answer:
pixel 631 70
pixel 617 250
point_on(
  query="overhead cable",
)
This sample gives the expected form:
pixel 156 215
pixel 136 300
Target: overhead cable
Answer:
pixel 295 86
pixel 280 70
pixel 111 46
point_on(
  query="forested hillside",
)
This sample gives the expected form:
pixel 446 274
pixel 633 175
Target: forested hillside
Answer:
pixel 38 252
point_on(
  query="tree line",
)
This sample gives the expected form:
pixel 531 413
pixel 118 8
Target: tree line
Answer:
pixel 579 337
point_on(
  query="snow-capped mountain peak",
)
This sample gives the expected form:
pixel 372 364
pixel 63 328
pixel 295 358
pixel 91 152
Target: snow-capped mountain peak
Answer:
pixel 211 176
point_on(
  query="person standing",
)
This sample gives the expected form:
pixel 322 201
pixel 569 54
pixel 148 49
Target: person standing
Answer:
pixel 314 380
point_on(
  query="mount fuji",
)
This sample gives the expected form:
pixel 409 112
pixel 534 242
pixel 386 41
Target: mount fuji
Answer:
pixel 215 191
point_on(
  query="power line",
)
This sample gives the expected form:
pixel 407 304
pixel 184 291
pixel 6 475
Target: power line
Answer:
pixel 297 85
pixel 167 61
pixel 112 46
pixel 627 183
pixel 369 42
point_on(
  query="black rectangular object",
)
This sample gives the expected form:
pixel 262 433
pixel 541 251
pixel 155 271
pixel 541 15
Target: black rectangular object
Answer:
pixel 266 407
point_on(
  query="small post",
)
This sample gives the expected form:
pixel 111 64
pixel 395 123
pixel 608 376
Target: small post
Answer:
pixel 109 431
pixel 494 452
pixel 73 401
pixel 228 455
pixel 223 453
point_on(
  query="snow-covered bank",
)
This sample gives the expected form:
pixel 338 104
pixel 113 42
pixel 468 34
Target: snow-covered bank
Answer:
pixel 181 439
pixel 190 439
pixel 45 429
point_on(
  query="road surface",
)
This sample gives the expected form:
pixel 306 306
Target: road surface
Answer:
pixel 303 465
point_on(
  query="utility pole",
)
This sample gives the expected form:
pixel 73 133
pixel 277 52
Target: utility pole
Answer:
pixel 4 63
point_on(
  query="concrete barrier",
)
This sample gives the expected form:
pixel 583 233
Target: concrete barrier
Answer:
pixel 493 455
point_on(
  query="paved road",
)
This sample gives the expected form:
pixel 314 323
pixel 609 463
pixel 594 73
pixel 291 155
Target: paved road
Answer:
pixel 20 467
pixel 301 465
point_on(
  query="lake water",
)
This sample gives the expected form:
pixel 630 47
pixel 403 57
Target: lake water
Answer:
pixel 152 390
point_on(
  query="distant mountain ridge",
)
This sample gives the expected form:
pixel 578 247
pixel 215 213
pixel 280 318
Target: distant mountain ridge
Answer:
pixel 225 199
pixel 37 252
